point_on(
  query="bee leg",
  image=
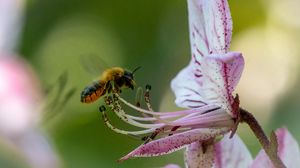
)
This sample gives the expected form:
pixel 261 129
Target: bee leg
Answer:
pixel 115 88
pixel 108 87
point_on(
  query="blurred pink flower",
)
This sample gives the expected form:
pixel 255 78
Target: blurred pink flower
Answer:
pixel 232 153
pixel 288 151
pixel 20 97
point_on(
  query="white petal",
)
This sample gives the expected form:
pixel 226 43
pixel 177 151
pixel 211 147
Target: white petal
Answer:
pixel 210 35
pixel 199 155
pixel 218 25
pixel 210 27
pixel 288 151
pixel 220 75
pixel 232 153
pixel 187 90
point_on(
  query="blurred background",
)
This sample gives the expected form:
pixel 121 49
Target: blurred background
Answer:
pixel 52 37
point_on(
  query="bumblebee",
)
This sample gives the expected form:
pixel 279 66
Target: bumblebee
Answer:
pixel 112 78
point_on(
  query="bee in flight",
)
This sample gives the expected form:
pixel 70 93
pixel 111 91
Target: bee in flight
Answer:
pixel 112 78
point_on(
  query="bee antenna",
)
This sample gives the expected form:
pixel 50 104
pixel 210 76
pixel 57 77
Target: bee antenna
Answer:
pixel 137 68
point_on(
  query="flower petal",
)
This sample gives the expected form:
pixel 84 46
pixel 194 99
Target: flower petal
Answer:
pixel 218 25
pixel 220 75
pixel 173 143
pixel 171 166
pixel 226 153
pixel 232 153
pixel 288 151
pixel 210 27
pixel 199 155
pixel 187 90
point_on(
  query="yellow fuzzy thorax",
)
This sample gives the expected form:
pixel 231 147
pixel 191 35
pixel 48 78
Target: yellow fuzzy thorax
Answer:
pixel 111 73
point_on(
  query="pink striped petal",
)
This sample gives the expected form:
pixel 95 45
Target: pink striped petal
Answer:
pixel 198 155
pixel 210 28
pixel 232 153
pixel 173 143
pixel 288 151
pixel 210 32
pixel 228 153
pixel 218 25
pixel 187 90
pixel 220 75
pixel 210 35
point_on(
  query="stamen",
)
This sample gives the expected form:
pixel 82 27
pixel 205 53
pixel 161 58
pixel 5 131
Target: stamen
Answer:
pixel 138 99
pixel 175 114
pixel 147 97
pixel 204 120
pixel 153 135
pixel 116 107
pixel 206 116
pixel 120 131
pixel 213 112
pixel 138 96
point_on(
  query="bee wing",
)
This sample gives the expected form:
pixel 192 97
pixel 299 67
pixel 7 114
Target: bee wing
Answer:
pixel 93 64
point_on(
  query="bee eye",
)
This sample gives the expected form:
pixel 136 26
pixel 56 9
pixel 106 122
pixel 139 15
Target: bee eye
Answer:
pixel 128 75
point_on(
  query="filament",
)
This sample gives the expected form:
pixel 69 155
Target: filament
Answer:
pixel 120 131
pixel 164 123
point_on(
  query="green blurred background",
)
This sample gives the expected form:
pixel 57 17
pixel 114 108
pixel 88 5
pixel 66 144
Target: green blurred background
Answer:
pixel 152 34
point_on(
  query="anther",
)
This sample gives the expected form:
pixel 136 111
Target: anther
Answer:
pixel 115 97
pixel 148 87
pixel 102 109
pixel 108 100
pixel 145 138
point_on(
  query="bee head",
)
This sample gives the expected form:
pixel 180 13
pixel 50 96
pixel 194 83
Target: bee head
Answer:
pixel 129 78
pixel 128 75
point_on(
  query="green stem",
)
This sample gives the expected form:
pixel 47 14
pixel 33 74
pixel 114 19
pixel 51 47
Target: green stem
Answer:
pixel 267 145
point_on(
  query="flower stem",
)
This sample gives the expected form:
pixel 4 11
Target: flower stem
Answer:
pixel 270 147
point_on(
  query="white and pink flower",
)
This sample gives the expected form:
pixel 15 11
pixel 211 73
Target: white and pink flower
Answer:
pixel 205 87
pixel 232 153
